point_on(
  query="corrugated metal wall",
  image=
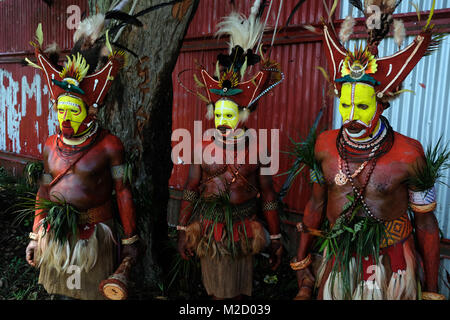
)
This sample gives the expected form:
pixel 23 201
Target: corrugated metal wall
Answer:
pixel 210 12
pixel 291 107
pixel 425 115
pixel 25 120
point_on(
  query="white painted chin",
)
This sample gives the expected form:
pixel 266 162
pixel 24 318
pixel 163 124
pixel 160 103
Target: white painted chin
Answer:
pixel 356 135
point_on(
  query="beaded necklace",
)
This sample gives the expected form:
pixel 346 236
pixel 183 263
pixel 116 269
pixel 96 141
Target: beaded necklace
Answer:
pixel 361 152
pixel 368 152
pixel 66 151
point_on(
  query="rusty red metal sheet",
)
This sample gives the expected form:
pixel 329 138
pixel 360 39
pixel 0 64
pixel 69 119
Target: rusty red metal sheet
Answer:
pixel 24 111
pixel 19 19
pixel 24 99
pixel 210 12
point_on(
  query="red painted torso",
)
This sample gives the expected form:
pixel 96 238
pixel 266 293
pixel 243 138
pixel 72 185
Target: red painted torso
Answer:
pixel 89 184
pixel 387 191
pixel 218 178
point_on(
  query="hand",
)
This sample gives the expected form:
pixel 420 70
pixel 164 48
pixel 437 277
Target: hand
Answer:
pixel 130 250
pixel 276 251
pixel 29 252
pixel 185 252
pixel 305 281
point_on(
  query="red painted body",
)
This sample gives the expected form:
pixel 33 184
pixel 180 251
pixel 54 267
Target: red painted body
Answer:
pixel 386 195
pixel 88 183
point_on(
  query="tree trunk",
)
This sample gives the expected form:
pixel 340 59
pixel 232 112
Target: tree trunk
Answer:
pixel 139 111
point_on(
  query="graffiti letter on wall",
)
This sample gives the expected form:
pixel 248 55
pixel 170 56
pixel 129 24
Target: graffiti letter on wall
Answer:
pixel 9 116
pixel 34 89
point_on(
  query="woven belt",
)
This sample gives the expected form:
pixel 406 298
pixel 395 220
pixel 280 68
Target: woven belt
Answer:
pixel 396 230
pixel 96 215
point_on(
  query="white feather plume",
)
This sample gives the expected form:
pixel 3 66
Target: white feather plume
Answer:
pixel 347 29
pixel 52 48
pixel 255 8
pixel 385 5
pixel 311 28
pixel 90 28
pixel 210 112
pixel 399 32
pixel 391 3
pixel 243 31
pixel 244 115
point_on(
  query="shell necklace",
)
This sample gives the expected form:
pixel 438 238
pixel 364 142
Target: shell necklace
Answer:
pixel 341 178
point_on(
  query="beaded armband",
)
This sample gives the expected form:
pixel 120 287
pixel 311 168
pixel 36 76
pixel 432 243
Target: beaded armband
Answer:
pixel 422 201
pixel 270 205
pixel 316 176
pixel 117 172
pixel 189 195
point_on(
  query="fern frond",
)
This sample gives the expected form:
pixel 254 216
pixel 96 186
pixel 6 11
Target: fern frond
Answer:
pixel 437 159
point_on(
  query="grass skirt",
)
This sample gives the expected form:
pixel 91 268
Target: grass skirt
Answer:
pixel 387 281
pixel 76 268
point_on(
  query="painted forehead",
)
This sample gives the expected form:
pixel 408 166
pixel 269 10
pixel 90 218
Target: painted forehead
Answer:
pixel 350 90
pixel 70 101
pixel 227 105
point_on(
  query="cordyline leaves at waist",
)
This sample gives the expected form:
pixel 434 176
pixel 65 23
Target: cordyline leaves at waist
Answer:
pixel 61 218
pixel 350 237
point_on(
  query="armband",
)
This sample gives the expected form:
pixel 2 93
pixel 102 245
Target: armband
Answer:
pixel 189 195
pixel 316 176
pixel 117 172
pixel 270 206
pixel 131 240
pixel 275 236
pixel 46 179
pixel 422 201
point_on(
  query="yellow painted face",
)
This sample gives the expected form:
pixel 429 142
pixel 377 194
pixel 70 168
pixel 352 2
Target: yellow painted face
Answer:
pixel 358 103
pixel 71 110
pixel 226 114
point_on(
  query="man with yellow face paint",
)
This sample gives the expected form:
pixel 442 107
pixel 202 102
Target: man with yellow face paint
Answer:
pixel 218 216
pixel 83 166
pixel 365 184
pixel 359 111
pixel 226 116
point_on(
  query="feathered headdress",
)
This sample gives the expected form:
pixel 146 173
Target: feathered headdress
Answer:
pixel 228 81
pixel 363 65
pixel 93 63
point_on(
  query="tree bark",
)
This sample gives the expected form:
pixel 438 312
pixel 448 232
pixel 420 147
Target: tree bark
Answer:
pixel 139 111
